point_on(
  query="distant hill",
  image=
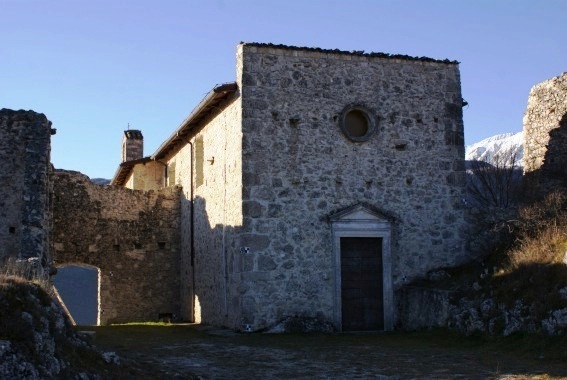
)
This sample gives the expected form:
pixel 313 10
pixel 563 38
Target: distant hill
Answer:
pixel 100 181
pixel 503 144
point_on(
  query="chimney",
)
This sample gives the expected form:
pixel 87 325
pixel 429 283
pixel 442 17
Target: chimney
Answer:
pixel 132 145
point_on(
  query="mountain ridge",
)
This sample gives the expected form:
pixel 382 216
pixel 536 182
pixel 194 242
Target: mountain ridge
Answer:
pixel 502 145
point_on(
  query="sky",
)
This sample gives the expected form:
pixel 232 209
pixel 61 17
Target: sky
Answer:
pixel 96 67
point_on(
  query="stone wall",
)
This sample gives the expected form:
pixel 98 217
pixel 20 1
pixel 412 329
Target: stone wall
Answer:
pixel 299 168
pixel 545 134
pixel 131 236
pixel 146 176
pixel 25 144
pixel 209 170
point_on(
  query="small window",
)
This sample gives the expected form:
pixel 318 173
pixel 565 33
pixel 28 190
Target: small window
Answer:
pixel 199 157
pixel 357 123
pixel 171 174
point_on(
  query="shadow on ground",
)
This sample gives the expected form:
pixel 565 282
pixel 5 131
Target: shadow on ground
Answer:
pixel 194 352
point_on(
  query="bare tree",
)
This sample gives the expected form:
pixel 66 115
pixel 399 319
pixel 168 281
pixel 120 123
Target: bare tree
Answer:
pixel 495 181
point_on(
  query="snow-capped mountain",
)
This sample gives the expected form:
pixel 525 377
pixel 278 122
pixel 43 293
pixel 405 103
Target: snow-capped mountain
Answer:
pixel 503 145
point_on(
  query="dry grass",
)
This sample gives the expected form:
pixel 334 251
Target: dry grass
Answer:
pixel 542 237
pixel 537 236
pixel 19 270
pixel 548 247
pixel 534 269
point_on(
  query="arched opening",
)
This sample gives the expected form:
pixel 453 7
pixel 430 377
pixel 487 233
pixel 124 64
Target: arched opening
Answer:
pixel 79 289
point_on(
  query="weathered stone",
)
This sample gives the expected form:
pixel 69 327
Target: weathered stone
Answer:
pixel 25 144
pixel 39 343
pixel 423 308
pixel 255 242
pixel 266 263
pixel 267 165
pixel 545 135
pixel 112 228
pixel 252 209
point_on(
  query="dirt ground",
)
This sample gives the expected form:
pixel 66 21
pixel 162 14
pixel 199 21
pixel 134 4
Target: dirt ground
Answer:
pixel 198 352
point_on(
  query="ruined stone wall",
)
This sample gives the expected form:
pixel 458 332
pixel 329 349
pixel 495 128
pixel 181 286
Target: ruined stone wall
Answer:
pixel 298 168
pixel 25 144
pixel 211 166
pixel 131 236
pixel 545 133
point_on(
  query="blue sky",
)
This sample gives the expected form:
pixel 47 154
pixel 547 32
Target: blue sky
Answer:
pixel 94 66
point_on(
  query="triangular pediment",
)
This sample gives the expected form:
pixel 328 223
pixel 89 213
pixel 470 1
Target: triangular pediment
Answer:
pixel 359 211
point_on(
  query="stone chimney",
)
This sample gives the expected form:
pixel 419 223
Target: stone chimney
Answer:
pixel 132 145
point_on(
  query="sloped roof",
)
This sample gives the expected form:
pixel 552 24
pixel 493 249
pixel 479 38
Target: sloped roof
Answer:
pixel 124 170
pixel 206 107
pixel 210 103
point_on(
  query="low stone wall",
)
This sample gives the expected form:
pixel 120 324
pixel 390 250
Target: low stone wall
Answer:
pixel 25 144
pixel 131 236
pixel 475 311
pixel 421 308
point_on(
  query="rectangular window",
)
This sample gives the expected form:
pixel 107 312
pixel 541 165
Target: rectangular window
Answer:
pixel 199 158
pixel 171 174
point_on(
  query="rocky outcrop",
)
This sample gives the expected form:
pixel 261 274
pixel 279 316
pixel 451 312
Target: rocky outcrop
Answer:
pixel 474 307
pixel 488 316
pixel 36 338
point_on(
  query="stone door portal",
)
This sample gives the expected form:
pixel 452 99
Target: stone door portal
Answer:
pixel 361 284
pixel 364 297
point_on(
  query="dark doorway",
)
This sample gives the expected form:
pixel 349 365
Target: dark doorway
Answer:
pixel 78 287
pixel 361 284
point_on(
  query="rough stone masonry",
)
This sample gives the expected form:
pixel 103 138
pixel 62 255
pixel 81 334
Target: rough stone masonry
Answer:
pixel 25 145
pixel 545 134
pixel 130 236
pixel 307 149
pixel 300 167
pixel 310 158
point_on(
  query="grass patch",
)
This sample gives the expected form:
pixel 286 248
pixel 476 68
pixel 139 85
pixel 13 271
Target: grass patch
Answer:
pixel 149 323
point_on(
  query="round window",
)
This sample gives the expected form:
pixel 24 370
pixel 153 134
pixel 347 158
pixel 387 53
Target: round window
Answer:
pixel 356 123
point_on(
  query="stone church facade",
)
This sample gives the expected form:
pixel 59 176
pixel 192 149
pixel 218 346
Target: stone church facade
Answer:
pixel 315 185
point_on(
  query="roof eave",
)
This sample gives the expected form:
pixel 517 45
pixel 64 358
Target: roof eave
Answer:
pixel 124 170
pixel 216 94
